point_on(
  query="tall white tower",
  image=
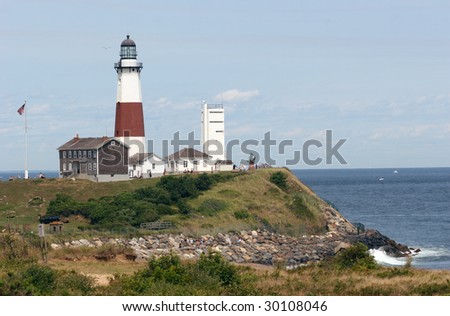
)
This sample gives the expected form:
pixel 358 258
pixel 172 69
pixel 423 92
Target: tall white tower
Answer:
pixel 129 127
pixel 213 130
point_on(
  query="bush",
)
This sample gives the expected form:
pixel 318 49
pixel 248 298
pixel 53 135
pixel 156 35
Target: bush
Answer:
pixel 356 257
pixel 203 182
pixel 211 206
pixel 279 179
pixel 167 268
pixel 241 214
pixel 63 205
pixel 179 187
pixel 214 265
pixel 300 208
pixel 153 195
pixel 184 207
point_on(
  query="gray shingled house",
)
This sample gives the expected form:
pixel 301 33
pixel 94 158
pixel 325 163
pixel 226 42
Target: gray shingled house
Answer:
pixel 99 159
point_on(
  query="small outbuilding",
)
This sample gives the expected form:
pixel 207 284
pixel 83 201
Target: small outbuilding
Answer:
pixel 56 227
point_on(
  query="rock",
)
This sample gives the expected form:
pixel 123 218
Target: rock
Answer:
pixel 55 246
pixel 342 245
pixel 254 233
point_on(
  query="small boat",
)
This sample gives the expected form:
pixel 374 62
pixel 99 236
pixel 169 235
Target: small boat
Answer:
pixel 395 171
pixel 381 179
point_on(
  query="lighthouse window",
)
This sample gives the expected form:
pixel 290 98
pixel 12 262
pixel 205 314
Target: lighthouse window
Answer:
pixel 64 154
pixel 89 154
pixel 84 153
pixel 79 154
pixel 70 154
pixel 94 154
pixel 74 154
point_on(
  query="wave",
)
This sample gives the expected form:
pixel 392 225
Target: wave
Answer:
pixel 383 258
pixel 423 258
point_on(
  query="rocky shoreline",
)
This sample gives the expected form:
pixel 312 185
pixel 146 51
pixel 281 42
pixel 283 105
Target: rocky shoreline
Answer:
pixel 257 246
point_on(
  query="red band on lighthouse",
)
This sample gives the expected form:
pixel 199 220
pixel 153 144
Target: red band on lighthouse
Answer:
pixel 129 120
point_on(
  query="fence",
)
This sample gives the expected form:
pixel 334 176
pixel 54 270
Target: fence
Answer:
pixel 156 225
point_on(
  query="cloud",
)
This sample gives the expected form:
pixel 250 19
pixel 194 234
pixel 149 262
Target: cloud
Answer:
pixel 236 95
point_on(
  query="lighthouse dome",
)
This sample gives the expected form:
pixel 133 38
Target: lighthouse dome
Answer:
pixel 128 42
pixel 128 49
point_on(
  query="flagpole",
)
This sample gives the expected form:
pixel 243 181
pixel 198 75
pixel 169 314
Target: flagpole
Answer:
pixel 26 145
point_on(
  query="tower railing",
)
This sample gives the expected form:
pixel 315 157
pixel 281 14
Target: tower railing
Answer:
pixel 215 106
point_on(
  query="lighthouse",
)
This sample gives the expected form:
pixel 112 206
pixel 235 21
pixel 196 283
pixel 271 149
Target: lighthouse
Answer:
pixel 129 126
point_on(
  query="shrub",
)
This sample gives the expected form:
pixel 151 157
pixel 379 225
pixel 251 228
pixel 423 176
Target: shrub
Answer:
pixel 241 214
pixel 167 268
pixel 356 257
pixel 203 182
pixel 179 187
pixel 184 207
pixel 63 205
pixel 215 265
pixel 279 179
pixel 300 208
pixel 40 278
pixel 153 195
pixel 212 206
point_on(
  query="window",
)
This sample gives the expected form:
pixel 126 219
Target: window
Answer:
pixel 94 154
pixel 74 154
pixel 90 154
pixel 70 154
pixel 216 121
pixel 219 131
pixel 113 143
pixel 64 167
pixel 64 154
pixel 84 154
pixel 89 166
pixel 70 166
pixel 153 166
pixel 185 164
pixel 79 154
pixel 95 166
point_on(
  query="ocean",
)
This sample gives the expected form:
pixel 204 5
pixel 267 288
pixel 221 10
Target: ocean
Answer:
pixel 32 174
pixel 410 205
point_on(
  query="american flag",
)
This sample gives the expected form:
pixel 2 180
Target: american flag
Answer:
pixel 21 109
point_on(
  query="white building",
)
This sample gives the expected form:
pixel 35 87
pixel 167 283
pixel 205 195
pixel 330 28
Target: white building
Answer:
pixel 213 131
pixel 187 160
pixel 146 165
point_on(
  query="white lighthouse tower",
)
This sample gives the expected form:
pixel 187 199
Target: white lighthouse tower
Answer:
pixel 213 130
pixel 129 126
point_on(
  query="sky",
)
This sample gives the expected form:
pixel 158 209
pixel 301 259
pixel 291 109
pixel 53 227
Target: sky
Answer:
pixel 374 73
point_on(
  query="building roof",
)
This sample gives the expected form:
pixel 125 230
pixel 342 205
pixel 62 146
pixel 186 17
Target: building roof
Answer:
pixel 224 162
pixel 137 159
pixel 187 153
pixel 86 143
